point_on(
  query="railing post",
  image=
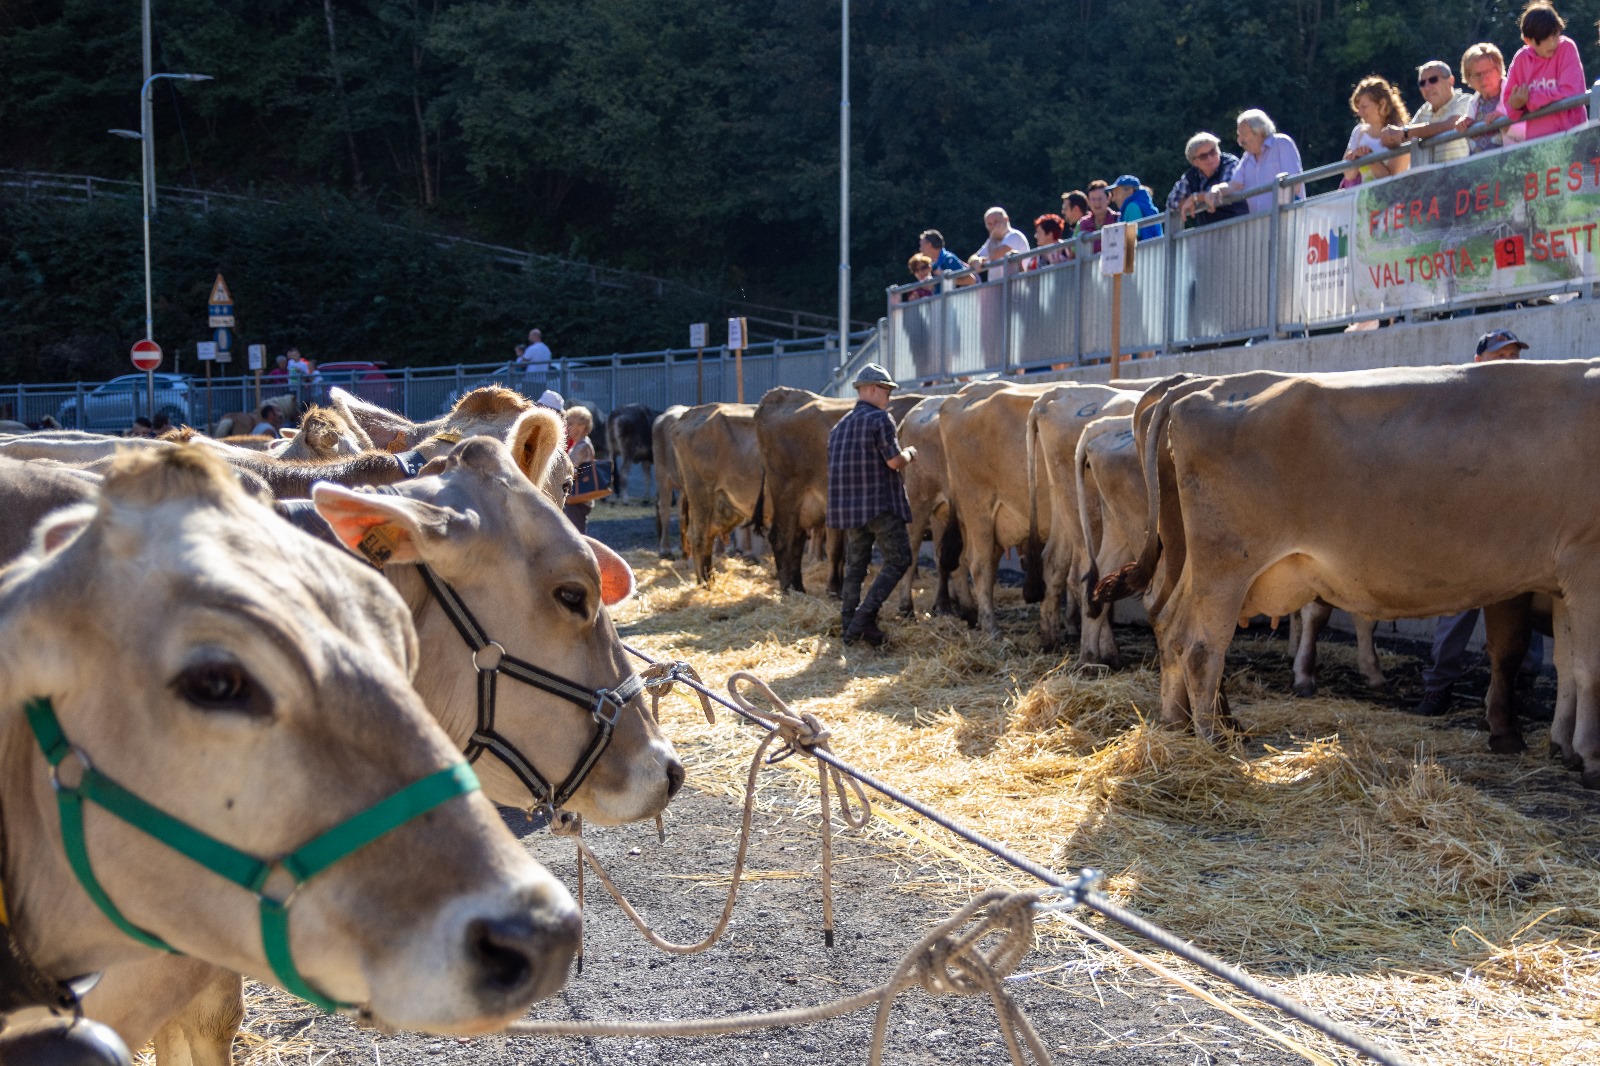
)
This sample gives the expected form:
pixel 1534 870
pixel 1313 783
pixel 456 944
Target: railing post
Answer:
pixel 1594 101
pixel 1082 250
pixel 405 393
pixel 616 372
pixel 1171 231
pixel 1280 193
pixel 1005 314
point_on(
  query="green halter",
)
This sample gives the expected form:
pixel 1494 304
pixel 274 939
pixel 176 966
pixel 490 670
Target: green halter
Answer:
pixel 227 862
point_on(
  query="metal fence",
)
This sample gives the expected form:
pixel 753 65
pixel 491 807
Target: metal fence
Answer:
pixel 1226 283
pixel 656 379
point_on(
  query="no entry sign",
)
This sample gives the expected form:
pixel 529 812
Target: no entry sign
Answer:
pixel 146 355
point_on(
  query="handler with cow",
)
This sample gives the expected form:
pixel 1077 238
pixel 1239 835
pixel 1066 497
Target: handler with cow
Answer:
pixel 867 499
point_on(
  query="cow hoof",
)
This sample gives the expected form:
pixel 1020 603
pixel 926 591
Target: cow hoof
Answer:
pixel 1305 689
pixel 667 555
pixel 1508 745
pixel 1590 779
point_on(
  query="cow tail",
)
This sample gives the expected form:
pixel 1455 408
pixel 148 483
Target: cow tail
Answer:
pixel 1135 578
pixel 1091 573
pixel 1033 550
pixel 758 523
pixel 950 544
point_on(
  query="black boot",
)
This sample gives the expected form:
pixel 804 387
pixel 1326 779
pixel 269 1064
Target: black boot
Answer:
pixel 864 627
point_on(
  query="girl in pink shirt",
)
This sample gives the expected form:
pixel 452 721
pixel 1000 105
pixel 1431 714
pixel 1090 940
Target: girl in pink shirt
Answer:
pixel 1545 70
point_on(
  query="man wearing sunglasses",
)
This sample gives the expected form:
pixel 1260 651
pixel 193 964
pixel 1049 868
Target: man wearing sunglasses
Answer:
pixel 1208 164
pixel 1442 105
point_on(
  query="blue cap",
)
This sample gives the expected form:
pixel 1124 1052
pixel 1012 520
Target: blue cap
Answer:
pixel 1129 180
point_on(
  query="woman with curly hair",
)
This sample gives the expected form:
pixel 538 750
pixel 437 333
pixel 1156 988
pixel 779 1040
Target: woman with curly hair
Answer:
pixel 1377 104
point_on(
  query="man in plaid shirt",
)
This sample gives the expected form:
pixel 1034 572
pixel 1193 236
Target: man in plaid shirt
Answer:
pixel 867 499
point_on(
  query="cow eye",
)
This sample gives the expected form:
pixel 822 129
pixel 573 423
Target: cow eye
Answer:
pixel 220 686
pixel 573 598
pixel 568 486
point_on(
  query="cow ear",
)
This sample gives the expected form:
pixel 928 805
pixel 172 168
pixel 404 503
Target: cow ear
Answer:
pixel 616 576
pixel 57 529
pixel 380 424
pixel 537 437
pixel 383 529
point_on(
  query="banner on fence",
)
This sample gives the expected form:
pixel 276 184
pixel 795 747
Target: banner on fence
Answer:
pixel 1322 231
pixel 1507 222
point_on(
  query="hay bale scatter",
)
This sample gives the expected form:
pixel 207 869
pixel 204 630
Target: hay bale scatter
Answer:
pixel 1385 869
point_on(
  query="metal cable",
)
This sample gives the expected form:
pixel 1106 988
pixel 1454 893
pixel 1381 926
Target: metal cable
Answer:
pixel 1080 891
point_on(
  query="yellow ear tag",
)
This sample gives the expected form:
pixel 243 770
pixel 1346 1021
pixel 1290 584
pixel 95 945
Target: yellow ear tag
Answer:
pixel 379 544
pixel 448 437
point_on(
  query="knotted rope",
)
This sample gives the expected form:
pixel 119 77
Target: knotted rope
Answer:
pixel 950 960
pixel 800 733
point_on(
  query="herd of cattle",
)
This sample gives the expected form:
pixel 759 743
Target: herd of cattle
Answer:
pixel 204 692
pixel 1400 493
pixel 248 743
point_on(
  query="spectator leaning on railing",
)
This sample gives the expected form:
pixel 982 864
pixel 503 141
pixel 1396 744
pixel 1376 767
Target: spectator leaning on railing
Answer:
pixel 1378 105
pixel 1442 109
pixel 1100 213
pixel 1267 153
pixel 1546 69
pixel 1134 203
pixel 1074 208
pixel 1047 230
pixel 1208 165
pixel 1484 68
pixel 944 261
pixel 1004 239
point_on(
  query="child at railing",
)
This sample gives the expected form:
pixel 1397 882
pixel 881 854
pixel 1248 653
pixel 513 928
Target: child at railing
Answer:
pixel 1547 68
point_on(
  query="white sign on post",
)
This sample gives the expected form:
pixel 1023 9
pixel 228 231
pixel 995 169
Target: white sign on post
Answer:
pixel 1116 248
pixel 736 333
pixel 206 351
pixel 258 356
pixel 697 335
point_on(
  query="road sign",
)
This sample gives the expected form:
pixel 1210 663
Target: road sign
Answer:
pixel 697 335
pixel 146 355
pixel 206 351
pixel 736 333
pixel 224 342
pixel 258 356
pixel 220 293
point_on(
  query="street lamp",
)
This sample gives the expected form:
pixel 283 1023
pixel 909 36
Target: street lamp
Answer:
pixel 147 172
pixel 147 169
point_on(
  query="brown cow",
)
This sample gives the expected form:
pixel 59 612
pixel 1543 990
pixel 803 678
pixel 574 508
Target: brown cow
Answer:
pixel 1054 424
pixel 927 488
pixel 1381 507
pixel 719 465
pixel 983 428
pixel 1113 517
pixel 667 480
pixel 792 427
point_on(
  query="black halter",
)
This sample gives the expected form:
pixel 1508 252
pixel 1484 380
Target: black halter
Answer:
pixel 490 659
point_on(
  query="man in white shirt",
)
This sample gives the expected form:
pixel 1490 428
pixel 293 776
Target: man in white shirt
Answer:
pixel 1443 104
pixel 1004 239
pixel 536 356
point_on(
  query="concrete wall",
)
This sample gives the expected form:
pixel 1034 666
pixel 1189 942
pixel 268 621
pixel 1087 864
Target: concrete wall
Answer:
pixel 1567 330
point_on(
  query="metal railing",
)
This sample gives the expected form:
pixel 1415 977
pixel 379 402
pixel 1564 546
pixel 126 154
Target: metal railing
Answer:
pixel 1229 282
pixel 656 379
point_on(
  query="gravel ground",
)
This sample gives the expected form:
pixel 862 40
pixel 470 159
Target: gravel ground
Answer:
pixel 773 957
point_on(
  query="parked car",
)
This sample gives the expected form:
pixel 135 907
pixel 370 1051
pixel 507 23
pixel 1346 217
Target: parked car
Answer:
pixel 368 380
pixel 113 406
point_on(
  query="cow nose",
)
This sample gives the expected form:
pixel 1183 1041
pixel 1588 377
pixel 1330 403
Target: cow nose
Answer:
pixel 675 777
pixel 517 958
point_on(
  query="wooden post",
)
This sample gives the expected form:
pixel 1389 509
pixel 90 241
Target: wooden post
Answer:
pixel 1116 326
pixel 700 375
pixel 258 393
pixel 738 370
pixel 209 422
